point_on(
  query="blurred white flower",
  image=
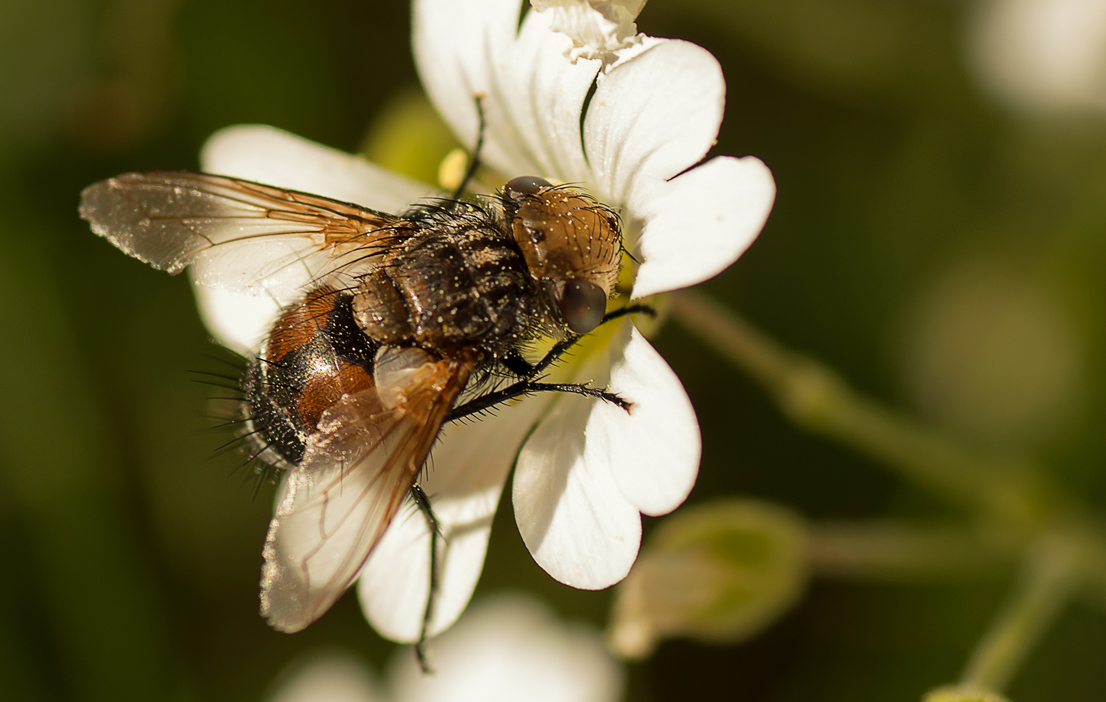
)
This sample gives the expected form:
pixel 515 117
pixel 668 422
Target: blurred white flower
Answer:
pixel 1042 55
pixel 326 676
pixel 507 648
pixel 586 470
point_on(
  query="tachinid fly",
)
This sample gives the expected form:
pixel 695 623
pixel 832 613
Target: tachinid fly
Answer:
pixel 401 314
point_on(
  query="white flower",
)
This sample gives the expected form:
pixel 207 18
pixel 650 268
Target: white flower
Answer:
pixel 588 470
pixel 508 648
pixel 599 29
pixel 1042 55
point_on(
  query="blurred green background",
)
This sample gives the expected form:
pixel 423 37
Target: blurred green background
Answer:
pixel 941 245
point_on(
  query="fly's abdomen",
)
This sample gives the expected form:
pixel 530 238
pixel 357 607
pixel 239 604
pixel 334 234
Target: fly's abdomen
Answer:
pixel 314 355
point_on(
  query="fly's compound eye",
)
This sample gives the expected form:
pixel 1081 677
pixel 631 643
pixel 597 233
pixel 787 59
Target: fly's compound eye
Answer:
pixel 582 305
pixel 518 188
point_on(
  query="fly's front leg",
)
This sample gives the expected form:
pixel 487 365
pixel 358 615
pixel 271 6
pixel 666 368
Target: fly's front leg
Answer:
pixel 528 374
pixel 520 367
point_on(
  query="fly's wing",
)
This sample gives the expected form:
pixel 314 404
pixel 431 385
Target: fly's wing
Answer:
pixel 238 235
pixel 358 468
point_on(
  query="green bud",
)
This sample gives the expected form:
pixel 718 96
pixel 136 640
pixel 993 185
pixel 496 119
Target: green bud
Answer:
pixel 719 572
pixel 962 694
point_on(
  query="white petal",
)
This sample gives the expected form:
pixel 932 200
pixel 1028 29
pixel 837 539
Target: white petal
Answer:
pixel 456 46
pixel 598 29
pixel 654 449
pixel 652 117
pixel 697 224
pixel 464 480
pixel 394 583
pixel 532 94
pixel 570 512
pixel 239 322
pixel 512 648
pixel 275 157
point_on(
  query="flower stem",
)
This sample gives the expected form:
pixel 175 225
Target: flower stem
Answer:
pixel 1063 539
pixel 902 552
pixel 821 401
pixel 1049 573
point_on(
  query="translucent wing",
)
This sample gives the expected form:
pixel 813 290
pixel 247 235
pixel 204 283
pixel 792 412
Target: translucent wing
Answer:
pixel 238 235
pixel 358 468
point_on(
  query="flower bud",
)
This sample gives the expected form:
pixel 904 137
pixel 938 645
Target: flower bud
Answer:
pixel 720 572
pixel 962 694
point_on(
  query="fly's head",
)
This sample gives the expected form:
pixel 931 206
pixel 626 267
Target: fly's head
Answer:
pixel 572 245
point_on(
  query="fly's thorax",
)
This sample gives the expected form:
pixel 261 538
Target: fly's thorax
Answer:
pixel 571 244
pixel 459 281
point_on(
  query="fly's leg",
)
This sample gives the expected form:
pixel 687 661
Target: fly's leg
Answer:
pixel 529 387
pixel 636 308
pixel 422 501
pixel 474 163
pixel 528 374
pixel 518 365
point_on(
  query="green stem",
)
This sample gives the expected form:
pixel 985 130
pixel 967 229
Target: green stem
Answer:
pixel 821 401
pixel 1062 537
pixel 902 552
pixel 1049 573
